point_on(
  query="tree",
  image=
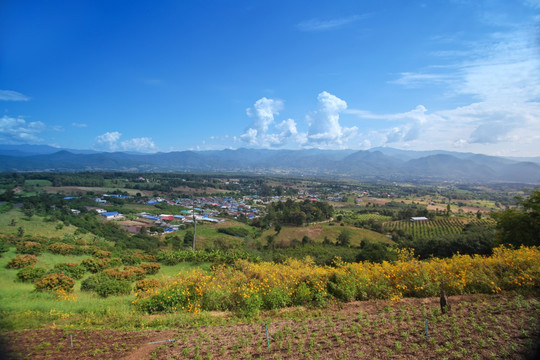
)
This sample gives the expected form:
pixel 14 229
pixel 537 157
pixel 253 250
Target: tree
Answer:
pixel 307 240
pixel 28 212
pixel 520 226
pixel 188 237
pixel 344 237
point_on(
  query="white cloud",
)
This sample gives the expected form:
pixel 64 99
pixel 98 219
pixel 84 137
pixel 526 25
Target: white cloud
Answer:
pixel 250 136
pixel 10 95
pixel 264 110
pixel 415 80
pixel 108 141
pixel 262 132
pixel 312 25
pixel 143 144
pixel 79 125
pixel 17 130
pixel 501 77
pixel 324 127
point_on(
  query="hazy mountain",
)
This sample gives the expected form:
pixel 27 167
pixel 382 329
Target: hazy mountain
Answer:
pixel 379 163
pixel 27 150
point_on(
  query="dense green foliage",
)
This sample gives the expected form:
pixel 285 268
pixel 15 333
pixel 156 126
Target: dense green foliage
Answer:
pixel 521 226
pixel 474 239
pixel 168 257
pixel 298 213
pixel 325 254
pixel 105 286
pixel 31 274
pixel 234 231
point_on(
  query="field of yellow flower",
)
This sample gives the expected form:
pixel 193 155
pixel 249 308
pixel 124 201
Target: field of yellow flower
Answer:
pixel 247 288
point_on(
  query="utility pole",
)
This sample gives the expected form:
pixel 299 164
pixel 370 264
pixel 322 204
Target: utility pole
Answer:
pixel 194 221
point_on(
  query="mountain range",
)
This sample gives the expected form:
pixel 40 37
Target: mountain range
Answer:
pixel 377 163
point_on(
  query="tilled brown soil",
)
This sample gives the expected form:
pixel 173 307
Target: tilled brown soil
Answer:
pixel 476 327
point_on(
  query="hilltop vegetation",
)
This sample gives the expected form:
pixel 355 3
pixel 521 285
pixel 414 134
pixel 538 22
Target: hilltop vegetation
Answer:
pixel 266 245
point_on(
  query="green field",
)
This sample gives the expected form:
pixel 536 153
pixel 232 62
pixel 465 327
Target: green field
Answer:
pixel 319 231
pixel 24 308
pixel 36 225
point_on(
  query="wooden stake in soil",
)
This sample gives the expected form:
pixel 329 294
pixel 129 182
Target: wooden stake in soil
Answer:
pixel 444 303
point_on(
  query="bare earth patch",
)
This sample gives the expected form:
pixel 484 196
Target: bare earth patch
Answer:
pixel 477 326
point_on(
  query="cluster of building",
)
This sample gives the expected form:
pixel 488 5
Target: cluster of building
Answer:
pixel 212 206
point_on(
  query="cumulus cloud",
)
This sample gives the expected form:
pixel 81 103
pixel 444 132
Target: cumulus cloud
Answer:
pixel 264 110
pixel 10 95
pixel 18 130
pixel 108 141
pixel 78 125
pixel 324 127
pixel 143 144
pixel 263 132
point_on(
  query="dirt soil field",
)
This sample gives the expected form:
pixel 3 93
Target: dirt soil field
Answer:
pixel 476 327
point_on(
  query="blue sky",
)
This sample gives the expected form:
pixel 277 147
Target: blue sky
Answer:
pixel 175 75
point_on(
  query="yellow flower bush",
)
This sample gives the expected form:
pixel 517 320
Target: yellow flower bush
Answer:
pixel 247 287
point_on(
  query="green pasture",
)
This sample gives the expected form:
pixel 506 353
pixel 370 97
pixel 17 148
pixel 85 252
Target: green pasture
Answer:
pixel 36 225
pixel 21 307
pixel 318 232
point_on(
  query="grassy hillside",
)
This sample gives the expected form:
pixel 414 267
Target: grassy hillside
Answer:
pixel 319 231
pixel 36 225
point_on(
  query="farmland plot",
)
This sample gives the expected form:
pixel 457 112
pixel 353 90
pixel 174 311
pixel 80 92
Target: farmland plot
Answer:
pixel 433 228
pixel 502 326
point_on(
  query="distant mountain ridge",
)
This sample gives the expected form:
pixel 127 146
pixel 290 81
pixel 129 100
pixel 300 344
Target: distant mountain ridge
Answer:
pixel 377 163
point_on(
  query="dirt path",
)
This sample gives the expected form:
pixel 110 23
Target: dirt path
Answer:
pixel 144 351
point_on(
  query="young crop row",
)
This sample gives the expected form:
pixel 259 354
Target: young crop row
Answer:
pixel 247 287
pixel 431 228
pixel 367 217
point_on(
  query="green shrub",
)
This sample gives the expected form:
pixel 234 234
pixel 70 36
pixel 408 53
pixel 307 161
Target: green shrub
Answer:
pixel 342 286
pixel 302 295
pixel 29 247
pixel 4 247
pixel 61 248
pixel 101 254
pixel 21 261
pixel 147 284
pixel 95 265
pixel 73 270
pixel 276 298
pixel 234 231
pixel 107 287
pixel 150 268
pixel 30 274
pixel 90 283
pixel 52 282
pixel 130 273
pixel 131 259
